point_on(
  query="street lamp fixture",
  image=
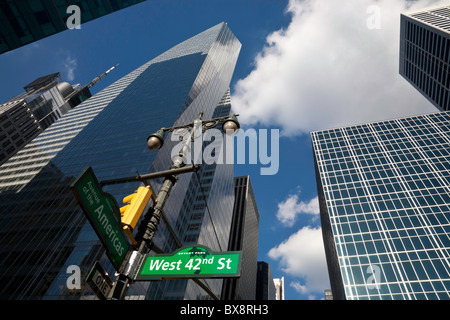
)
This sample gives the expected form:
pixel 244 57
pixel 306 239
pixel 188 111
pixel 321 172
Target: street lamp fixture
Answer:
pixel 230 126
pixel 155 141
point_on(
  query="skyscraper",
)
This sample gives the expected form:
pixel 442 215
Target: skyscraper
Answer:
pixel 279 288
pixel 26 21
pixel 209 198
pixel 265 283
pixel 328 294
pixel 44 101
pixel 425 53
pixel 43 230
pixel 385 204
pixel 244 237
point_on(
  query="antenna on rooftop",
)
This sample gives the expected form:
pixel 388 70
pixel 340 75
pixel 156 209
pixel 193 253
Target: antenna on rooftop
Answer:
pixel 98 78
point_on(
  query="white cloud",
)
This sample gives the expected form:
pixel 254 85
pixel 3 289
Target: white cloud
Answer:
pixel 299 287
pixel 303 256
pixel 302 290
pixel 70 64
pixel 331 67
pixel 289 209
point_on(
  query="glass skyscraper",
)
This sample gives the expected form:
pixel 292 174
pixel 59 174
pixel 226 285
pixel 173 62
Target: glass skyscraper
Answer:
pixel 244 237
pixel 384 194
pixel 44 101
pixel 43 230
pixel 265 283
pixel 425 53
pixel 25 21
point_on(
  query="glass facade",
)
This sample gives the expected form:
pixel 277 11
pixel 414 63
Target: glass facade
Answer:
pixel 17 127
pixel 204 217
pixel 244 237
pixel 43 230
pixel 23 117
pixel 26 21
pixel 385 207
pixel 425 53
pixel 265 285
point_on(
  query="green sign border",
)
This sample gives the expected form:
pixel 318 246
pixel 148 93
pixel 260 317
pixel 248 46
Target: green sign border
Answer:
pixel 138 276
pixel 113 216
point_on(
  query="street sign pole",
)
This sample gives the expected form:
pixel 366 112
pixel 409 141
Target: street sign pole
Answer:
pixel 103 212
pixel 123 281
pixel 88 193
pixel 144 242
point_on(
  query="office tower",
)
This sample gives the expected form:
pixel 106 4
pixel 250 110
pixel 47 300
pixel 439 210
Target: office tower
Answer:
pixel 328 294
pixel 211 193
pixel 384 203
pixel 43 230
pixel 265 286
pixel 279 288
pixel 25 21
pixel 44 101
pixel 425 53
pixel 243 237
pixel 17 127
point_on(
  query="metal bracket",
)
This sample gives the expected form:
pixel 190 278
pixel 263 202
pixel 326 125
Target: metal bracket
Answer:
pixel 132 263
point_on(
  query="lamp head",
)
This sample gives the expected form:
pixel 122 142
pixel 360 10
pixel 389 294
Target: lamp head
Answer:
pixel 231 125
pixel 155 141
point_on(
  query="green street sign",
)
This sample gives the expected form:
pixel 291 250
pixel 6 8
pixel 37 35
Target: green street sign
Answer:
pixel 103 213
pixel 189 262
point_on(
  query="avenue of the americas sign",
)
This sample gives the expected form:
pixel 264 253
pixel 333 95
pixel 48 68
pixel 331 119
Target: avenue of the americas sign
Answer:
pixel 103 213
pixel 189 262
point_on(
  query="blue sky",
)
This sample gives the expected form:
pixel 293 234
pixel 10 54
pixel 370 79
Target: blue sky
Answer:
pixel 304 65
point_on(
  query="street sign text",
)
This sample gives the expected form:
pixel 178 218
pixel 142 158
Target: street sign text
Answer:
pixel 103 212
pixel 190 262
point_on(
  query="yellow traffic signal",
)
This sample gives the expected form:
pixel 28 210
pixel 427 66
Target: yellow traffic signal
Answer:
pixel 134 209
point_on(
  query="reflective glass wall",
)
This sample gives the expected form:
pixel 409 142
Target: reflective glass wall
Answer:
pixel 384 192
pixel 43 230
pixel 26 21
pixel 425 53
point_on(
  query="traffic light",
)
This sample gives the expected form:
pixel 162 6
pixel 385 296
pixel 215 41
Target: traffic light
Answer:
pixel 133 210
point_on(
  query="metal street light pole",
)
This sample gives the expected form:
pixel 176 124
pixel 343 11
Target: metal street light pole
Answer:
pixel 164 192
pixel 154 142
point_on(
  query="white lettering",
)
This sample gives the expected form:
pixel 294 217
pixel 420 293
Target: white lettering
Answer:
pixel 156 264
pixel 197 310
pixel 219 152
pixel 73 281
pixel 374 280
pixel 274 152
pixel 374 20
pixel 73 21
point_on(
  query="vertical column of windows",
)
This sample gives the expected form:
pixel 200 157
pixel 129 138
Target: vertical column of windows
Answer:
pixel 408 209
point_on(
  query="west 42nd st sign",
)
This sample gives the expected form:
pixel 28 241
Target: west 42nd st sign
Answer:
pixel 190 262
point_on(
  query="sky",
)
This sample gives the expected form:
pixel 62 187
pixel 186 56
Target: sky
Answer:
pixel 305 65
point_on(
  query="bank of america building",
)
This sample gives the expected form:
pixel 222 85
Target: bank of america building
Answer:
pixel 384 193
pixel 43 230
